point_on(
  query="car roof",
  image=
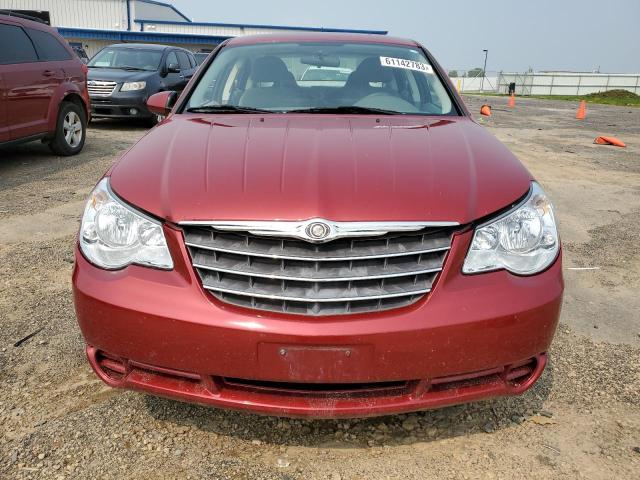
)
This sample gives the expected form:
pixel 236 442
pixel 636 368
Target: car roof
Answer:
pixel 26 22
pixel 320 37
pixel 146 46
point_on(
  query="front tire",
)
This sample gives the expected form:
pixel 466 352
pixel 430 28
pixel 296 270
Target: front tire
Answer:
pixel 71 130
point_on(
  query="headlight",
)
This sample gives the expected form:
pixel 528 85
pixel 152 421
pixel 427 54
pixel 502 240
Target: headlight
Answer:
pixel 130 86
pixel 524 240
pixel 114 235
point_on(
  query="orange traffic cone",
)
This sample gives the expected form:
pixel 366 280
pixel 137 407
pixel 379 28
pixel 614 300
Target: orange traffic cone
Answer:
pixel 485 110
pixel 609 141
pixel 582 110
pixel 512 100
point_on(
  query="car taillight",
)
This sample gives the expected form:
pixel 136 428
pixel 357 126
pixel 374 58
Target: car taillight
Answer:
pixel 85 69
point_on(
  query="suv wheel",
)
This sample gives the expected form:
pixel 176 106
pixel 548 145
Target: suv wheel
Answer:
pixel 154 120
pixel 70 130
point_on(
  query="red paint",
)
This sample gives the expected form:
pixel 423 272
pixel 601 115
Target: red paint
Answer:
pixel 158 102
pixel 31 92
pixel 349 402
pixel 159 331
pixel 294 167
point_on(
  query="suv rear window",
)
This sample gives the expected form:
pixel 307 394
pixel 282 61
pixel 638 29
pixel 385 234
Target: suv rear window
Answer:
pixel 49 47
pixel 21 51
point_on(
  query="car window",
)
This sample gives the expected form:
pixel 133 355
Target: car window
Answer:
pixel 200 57
pixel 171 58
pixel 183 59
pixel 230 83
pixel 192 60
pixel 126 58
pixel 22 49
pixel 297 76
pixel 48 47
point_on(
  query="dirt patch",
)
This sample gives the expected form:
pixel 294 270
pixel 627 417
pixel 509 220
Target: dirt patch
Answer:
pixel 582 420
pixel 618 94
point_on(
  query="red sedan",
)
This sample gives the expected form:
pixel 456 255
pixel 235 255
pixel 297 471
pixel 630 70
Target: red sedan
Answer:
pixel 355 248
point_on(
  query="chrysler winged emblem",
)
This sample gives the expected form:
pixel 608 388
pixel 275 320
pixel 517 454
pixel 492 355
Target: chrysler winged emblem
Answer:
pixel 318 230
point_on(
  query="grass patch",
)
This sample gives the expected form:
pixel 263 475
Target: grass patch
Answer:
pixel 623 98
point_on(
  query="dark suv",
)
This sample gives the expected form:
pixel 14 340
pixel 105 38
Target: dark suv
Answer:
pixel 43 87
pixel 123 76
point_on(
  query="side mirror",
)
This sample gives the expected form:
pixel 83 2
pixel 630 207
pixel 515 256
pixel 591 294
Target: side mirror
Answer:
pixel 161 103
pixel 485 110
pixel 173 68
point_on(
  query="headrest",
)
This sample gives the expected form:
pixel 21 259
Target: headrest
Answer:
pixel 269 69
pixel 370 71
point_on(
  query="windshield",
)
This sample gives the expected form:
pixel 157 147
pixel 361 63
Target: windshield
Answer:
pixel 286 77
pixel 127 59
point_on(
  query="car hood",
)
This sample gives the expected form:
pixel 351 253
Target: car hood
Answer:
pixel 117 75
pixel 341 168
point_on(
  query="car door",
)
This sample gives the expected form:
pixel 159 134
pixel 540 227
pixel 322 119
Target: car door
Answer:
pixel 186 69
pixel 53 57
pixel 173 79
pixel 25 102
pixel 4 126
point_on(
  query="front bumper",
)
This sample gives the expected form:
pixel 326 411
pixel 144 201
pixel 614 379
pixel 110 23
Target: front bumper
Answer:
pixel 121 105
pixel 472 337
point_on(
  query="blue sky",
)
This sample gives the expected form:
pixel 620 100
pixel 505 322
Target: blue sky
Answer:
pixel 542 34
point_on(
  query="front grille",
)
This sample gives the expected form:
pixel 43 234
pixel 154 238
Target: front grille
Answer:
pixel 99 88
pixel 343 276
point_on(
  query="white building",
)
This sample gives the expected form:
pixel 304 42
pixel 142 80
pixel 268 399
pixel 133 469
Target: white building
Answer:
pixel 98 23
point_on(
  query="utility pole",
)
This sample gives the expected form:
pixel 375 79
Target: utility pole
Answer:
pixel 484 69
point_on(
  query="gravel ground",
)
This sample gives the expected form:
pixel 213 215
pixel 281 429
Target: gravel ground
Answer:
pixel 582 420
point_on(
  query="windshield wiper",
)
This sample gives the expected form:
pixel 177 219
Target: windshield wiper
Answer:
pixel 127 67
pixel 346 109
pixel 226 109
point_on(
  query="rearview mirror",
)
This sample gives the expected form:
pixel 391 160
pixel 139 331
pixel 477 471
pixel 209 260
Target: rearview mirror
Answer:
pixel 320 61
pixel 173 68
pixel 161 103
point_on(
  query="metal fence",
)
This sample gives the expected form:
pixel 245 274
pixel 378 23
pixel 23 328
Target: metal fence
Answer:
pixel 562 83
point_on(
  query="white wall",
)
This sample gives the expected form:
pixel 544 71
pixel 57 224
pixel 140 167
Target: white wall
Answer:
pixel 94 46
pixel 560 83
pixel 97 14
pixel 213 30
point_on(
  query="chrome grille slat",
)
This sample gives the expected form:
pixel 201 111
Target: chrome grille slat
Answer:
pixel 318 300
pixel 99 88
pixel 337 290
pixel 315 258
pixel 261 266
pixel 314 279
pixel 341 276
